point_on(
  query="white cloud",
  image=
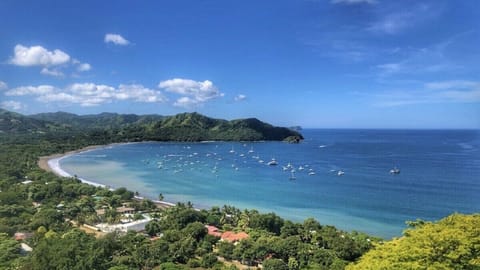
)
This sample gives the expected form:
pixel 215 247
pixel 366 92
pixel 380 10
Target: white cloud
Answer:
pixel 38 56
pixel 240 97
pixel 456 84
pixel 89 94
pixel 353 2
pixel 433 92
pixel 3 85
pixel 116 39
pixel 52 62
pixel 84 67
pixel 194 93
pixel 139 93
pixel 186 102
pixel 12 105
pixel 51 72
pixel 31 90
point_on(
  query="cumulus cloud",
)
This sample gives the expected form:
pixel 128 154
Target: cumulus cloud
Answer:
pixel 240 97
pixel 89 94
pixel 12 105
pixel 31 90
pixel 194 93
pixel 139 93
pixel 38 56
pixel 51 72
pixel 3 85
pixel 52 62
pixel 115 39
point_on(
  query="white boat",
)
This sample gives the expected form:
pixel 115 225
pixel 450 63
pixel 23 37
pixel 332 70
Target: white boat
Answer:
pixel 272 162
pixel 311 173
pixel 340 173
pixel 251 150
pixel 232 151
pixel 395 170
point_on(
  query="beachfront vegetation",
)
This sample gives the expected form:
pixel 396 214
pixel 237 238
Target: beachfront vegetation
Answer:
pixel 451 243
pixel 52 210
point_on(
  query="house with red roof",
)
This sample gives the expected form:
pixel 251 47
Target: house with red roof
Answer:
pixel 233 237
pixel 212 230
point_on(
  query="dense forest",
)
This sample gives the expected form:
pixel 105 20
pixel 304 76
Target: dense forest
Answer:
pixel 52 212
pixel 130 127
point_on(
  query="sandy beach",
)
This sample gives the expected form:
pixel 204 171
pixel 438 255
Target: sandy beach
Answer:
pixel 51 163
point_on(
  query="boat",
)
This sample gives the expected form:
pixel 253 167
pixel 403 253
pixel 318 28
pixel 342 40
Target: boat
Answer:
pixel 251 150
pixel 311 173
pixel 272 162
pixel 395 170
pixel 232 151
pixel 292 175
pixel 340 173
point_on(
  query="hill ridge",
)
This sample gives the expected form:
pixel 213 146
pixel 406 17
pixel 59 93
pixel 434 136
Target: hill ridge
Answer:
pixel 131 127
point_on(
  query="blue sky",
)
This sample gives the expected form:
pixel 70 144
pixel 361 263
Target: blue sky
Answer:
pixel 314 63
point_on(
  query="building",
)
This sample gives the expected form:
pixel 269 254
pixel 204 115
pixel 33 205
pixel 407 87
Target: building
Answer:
pixel 212 230
pixel 233 237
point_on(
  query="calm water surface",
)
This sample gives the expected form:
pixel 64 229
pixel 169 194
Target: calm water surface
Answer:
pixel 440 174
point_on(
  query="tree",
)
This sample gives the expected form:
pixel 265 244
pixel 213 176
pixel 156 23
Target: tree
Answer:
pixel 225 249
pixel 196 230
pixel 293 264
pixel 451 243
pixel 208 260
pixel 9 250
pixel 274 264
pixel 152 228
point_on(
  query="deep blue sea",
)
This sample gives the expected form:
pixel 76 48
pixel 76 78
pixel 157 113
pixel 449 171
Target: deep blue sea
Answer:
pixel 439 175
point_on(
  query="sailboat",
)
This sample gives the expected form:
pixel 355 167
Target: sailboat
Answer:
pixel 395 170
pixel 272 162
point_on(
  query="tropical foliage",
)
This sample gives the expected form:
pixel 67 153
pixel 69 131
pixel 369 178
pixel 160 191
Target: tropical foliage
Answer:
pixel 451 243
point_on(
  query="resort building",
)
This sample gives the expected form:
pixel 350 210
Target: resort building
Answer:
pixel 233 237
pixel 214 231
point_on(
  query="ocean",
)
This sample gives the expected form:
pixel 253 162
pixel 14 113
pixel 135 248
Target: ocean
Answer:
pixel 439 175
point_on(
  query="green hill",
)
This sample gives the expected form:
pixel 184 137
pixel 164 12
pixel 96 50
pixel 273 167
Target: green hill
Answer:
pixel 131 127
pixel 11 122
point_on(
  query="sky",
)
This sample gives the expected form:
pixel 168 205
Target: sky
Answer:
pixel 313 63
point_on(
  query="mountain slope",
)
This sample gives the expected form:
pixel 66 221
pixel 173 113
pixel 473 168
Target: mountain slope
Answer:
pixel 131 127
pixel 11 122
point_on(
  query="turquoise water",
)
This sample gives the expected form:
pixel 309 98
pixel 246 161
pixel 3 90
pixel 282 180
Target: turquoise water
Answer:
pixel 440 174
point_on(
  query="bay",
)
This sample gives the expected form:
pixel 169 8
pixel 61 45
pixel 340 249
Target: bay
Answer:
pixel 439 175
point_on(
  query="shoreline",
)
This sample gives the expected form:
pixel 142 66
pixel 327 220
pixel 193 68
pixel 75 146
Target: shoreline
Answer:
pixel 51 164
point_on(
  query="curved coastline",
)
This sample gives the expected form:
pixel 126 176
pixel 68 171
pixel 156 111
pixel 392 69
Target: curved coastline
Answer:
pixel 51 163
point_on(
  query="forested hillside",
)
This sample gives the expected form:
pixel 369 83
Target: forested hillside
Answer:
pixel 131 127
